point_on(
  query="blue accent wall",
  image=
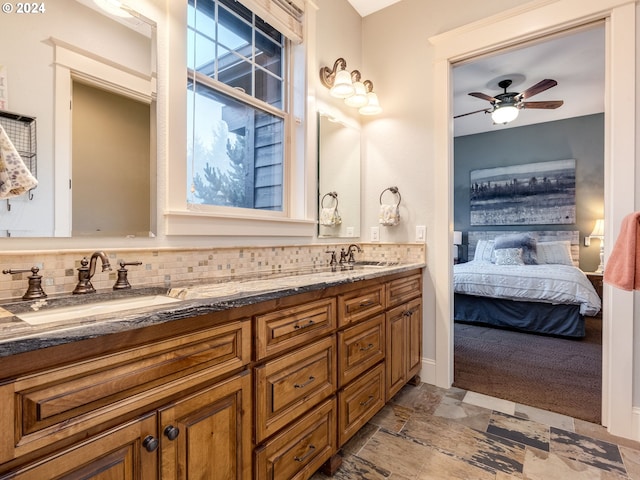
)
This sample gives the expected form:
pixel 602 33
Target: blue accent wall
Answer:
pixel 580 138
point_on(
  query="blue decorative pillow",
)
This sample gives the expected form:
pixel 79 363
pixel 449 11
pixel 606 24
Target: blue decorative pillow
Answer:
pixel 519 240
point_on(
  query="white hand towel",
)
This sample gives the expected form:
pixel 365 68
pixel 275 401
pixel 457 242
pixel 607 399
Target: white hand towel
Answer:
pixel 389 215
pixel 15 177
pixel 329 216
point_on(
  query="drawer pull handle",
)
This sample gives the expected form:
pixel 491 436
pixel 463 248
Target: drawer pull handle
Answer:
pixel 302 385
pixel 171 432
pixel 306 325
pixel 306 455
pixel 150 443
pixel 367 402
pixel 367 303
pixel 368 347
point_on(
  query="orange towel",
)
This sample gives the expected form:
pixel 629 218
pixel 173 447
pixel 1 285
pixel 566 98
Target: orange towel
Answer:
pixel 623 266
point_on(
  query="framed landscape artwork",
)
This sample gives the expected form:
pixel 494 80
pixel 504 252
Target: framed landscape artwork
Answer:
pixel 542 193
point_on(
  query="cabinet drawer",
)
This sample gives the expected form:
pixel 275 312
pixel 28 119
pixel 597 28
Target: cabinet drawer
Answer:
pixel 360 347
pixel 360 401
pixel 64 401
pixel 284 329
pixel 288 386
pixel 360 304
pixel 301 449
pixel 403 289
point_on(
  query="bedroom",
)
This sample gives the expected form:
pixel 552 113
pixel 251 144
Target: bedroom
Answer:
pixel 535 142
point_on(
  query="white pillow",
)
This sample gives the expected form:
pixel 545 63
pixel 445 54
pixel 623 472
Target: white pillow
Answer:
pixel 484 251
pixel 555 253
pixel 509 256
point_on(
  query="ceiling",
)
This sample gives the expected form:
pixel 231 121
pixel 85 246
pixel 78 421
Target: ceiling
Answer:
pixel 575 61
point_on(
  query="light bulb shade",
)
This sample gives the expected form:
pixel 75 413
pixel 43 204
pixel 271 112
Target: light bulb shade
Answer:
pixel 598 229
pixel 504 114
pixel 457 237
pixel 372 107
pixel 342 86
pixel 359 98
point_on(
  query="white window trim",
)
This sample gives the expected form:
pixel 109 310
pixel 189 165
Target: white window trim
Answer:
pixel 182 218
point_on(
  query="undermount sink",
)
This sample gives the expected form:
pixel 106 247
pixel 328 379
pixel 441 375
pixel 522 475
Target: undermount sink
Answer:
pixel 62 314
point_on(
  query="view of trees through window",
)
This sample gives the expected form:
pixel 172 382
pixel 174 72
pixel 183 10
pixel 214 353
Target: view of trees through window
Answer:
pixel 236 138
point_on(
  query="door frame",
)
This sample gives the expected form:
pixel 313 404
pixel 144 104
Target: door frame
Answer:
pixel 532 21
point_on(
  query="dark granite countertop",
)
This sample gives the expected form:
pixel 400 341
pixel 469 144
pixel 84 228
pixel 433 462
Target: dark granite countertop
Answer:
pixel 18 336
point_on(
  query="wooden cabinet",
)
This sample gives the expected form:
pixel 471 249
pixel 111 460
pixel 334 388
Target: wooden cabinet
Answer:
pixel 360 304
pixel 360 347
pixel 403 335
pixel 117 454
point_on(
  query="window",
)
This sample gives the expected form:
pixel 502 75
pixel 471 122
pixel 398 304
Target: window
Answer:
pixel 236 108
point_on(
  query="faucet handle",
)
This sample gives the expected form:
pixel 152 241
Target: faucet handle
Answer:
pixel 34 290
pixel 333 260
pixel 122 282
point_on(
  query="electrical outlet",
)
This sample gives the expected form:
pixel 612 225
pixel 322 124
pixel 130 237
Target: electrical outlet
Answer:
pixel 350 232
pixel 587 241
pixel 375 234
pixel 421 232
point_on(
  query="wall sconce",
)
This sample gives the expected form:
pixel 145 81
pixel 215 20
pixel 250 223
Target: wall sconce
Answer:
pixel 349 86
pixel 598 232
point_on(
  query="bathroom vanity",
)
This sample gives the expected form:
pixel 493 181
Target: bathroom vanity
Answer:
pixel 236 380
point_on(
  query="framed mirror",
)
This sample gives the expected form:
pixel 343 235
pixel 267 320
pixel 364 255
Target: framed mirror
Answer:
pixel 338 177
pixel 54 58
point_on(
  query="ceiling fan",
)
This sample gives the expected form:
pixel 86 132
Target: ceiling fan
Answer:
pixel 505 106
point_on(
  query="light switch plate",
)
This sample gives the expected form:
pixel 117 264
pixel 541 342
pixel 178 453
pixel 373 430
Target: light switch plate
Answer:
pixel 375 234
pixel 350 232
pixel 421 233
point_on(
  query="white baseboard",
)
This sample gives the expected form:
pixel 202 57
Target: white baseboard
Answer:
pixel 635 418
pixel 428 372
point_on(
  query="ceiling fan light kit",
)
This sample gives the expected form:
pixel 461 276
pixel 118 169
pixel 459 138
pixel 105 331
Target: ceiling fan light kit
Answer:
pixel 506 105
pixel 349 86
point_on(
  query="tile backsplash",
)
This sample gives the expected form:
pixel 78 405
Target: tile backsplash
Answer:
pixel 167 266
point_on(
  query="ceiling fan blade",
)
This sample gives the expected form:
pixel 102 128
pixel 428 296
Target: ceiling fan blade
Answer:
pixel 539 87
pixel 550 104
pixel 483 96
pixel 485 110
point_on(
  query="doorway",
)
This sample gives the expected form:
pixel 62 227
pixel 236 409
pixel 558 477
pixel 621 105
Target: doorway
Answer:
pixel 619 156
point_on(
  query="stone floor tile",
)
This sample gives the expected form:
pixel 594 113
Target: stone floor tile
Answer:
pixel 590 451
pixel 539 465
pixel 395 454
pixel 392 417
pixel 464 413
pixel 520 430
pixel 598 431
pixel 362 436
pixel 552 419
pixel 497 404
pixel 631 459
pixel 440 466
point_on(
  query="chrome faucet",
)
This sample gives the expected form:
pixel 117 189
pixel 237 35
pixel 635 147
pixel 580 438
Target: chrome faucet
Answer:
pixel 85 273
pixel 350 251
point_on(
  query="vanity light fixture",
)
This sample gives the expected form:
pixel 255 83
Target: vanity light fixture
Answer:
pixel 349 86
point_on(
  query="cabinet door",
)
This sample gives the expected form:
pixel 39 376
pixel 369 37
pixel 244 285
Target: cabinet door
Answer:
pixel 208 434
pixel 414 337
pixel 396 357
pixel 117 454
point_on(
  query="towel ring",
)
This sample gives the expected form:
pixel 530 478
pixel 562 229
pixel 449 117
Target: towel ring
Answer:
pixel 393 190
pixel 333 195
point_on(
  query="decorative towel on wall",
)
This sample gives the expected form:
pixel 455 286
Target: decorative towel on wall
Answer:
pixel 623 266
pixel 15 177
pixel 390 213
pixel 329 216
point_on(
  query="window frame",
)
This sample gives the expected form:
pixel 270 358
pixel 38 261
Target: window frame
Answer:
pixel 182 218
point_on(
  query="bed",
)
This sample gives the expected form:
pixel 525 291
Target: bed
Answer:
pixel 526 281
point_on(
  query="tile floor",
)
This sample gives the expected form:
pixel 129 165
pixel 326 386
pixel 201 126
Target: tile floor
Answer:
pixel 428 433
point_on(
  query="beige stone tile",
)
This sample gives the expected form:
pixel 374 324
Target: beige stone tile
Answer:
pixel 464 413
pixel 354 468
pixel 439 466
pixel 589 451
pixel 520 430
pixel 544 416
pixel 598 431
pixel 631 459
pixel 359 440
pixel 539 465
pixel 492 403
pixel 395 454
pixel 475 447
pixel 392 417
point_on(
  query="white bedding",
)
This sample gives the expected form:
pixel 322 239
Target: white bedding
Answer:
pixel 558 284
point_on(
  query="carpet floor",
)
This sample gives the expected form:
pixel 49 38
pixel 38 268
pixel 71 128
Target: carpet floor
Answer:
pixel 557 374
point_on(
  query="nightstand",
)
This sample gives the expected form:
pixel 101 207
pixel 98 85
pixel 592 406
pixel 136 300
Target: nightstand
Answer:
pixel 596 281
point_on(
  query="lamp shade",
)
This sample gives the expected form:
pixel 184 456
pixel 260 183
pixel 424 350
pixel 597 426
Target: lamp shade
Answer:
pixel 457 237
pixel 342 86
pixel 504 114
pixel 598 229
pixel 372 107
pixel 359 97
